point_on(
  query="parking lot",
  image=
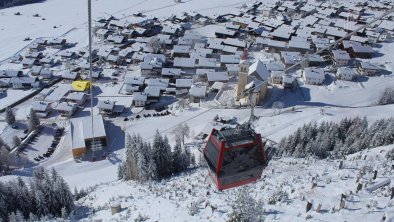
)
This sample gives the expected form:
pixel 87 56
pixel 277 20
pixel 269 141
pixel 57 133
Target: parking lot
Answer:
pixel 44 144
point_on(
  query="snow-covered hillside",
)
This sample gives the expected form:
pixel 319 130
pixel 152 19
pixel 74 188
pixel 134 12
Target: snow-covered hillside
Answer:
pixel 285 188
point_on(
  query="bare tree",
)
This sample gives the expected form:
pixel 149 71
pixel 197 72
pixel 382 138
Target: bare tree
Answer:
pixel 183 103
pixel 155 44
pixel 181 132
pixel 278 106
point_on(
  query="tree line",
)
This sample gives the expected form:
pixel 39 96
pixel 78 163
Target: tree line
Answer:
pixel 11 3
pixel 46 196
pixel 334 140
pixel 151 161
pixel 387 97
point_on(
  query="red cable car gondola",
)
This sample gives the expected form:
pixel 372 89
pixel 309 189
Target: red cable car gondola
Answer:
pixel 235 157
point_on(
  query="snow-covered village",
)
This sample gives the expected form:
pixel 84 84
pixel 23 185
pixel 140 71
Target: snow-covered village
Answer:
pixel 196 110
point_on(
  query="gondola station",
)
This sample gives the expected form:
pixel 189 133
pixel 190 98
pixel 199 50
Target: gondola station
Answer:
pixel 235 156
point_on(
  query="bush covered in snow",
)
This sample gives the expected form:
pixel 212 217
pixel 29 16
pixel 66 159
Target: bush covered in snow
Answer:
pixel 277 197
pixel 387 97
pixel 246 208
pixel 330 139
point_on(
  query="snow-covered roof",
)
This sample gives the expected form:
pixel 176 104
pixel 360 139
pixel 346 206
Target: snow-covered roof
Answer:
pixel 171 72
pixel 234 42
pixel 371 66
pixel 23 80
pixel 346 71
pixel 198 90
pixel 81 130
pixel 217 76
pixel 140 96
pixel 106 104
pixel 258 70
pixel 76 96
pixel 340 54
pixel 66 106
pixel 153 91
pixel 69 75
pixel 184 62
pixel 275 66
pixel 291 57
pixel 40 106
pixel 314 73
pixel 181 49
pixel 362 48
pixel 183 83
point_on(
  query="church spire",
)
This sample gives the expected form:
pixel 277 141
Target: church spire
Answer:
pixel 245 54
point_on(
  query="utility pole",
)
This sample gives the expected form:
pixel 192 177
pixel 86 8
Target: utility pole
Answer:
pixel 91 71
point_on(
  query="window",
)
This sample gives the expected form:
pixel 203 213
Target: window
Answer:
pixel 241 164
pixel 211 154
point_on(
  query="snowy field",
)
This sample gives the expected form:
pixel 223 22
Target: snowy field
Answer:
pixel 74 12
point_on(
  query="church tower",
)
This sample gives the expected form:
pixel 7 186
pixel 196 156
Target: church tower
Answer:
pixel 243 74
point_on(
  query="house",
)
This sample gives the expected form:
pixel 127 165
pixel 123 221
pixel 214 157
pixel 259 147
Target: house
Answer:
pixel 10 73
pixel 232 69
pixel 183 83
pixel 34 55
pixel 46 73
pixel 77 97
pixel 106 106
pixel 229 59
pixel 361 51
pixel 42 108
pixel 140 99
pixel 289 82
pixel 36 70
pixel 290 58
pixel 217 77
pixel 103 33
pixel 82 136
pixel 277 77
pixel 197 92
pixel 68 55
pixel 4 83
pixel 117 39
pixel 259 71
pixel 67 109
pixel 346 73
pixel 313 76
pixel 368 69
pixel 29 62
pixel 153 93
pixel 57 43
pixel 24 82
pixel 69 75
pixel 340 57
pixel 171 72
pixel 180 51
pixel 225 33
pixel 134 83
pixel 152 65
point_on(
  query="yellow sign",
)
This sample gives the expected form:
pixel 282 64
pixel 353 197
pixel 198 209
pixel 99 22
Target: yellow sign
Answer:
pixel 81 85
